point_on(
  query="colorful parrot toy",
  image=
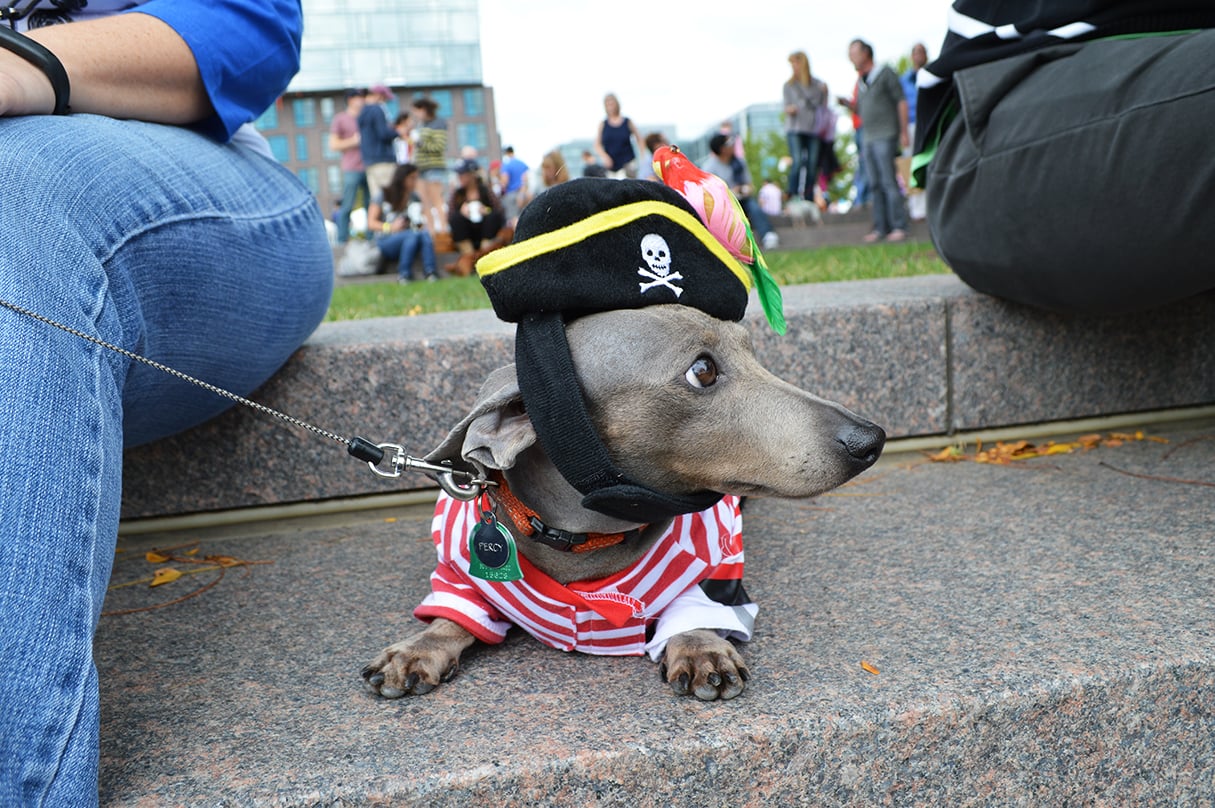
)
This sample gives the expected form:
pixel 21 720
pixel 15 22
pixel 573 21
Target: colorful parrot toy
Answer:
pixel 724 217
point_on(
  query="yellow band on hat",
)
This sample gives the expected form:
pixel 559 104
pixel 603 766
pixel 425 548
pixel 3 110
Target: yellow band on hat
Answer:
pixel 602 222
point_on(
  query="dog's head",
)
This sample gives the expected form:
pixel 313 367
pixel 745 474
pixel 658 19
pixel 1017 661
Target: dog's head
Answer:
pixel 682 405
pixel 585 269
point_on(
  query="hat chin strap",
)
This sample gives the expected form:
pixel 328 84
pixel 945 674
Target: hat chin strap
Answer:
pixel 557 410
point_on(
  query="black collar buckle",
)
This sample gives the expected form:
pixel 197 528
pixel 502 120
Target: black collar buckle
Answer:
pixel 554 537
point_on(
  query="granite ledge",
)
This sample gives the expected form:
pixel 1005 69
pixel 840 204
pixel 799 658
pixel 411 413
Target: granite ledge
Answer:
pixel 920 356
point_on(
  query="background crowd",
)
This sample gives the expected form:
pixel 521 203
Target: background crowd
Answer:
pixel 471 208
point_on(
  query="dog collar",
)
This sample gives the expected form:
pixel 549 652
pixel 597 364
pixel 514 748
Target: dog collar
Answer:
pixel 528 523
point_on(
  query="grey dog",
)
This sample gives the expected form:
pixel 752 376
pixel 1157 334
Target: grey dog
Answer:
pixel 683 405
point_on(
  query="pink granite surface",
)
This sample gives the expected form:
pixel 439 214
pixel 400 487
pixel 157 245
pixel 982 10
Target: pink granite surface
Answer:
pixel 1042 633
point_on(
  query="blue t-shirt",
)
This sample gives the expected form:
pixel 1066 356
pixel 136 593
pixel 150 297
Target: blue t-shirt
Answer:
pixel 515 170
pixel 247 52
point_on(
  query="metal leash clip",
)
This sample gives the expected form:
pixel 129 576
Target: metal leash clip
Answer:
pixel 469 487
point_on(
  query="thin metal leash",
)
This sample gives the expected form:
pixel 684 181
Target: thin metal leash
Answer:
pixel 469 487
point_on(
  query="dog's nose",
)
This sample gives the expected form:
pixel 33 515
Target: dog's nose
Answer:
pixel 864 442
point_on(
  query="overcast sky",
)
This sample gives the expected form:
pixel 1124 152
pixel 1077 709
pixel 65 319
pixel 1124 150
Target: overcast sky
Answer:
pixel 691 65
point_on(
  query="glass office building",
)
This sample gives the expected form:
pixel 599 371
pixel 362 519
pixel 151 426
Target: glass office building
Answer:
pixel 416 47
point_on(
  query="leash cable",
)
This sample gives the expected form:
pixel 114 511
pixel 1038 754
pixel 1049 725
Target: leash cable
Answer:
pixel 360 448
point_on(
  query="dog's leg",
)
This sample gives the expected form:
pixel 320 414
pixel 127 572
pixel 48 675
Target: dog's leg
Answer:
pixel 701 663
pixel 418 665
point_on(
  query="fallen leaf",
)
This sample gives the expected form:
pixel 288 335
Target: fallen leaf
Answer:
pixel 156 557
pixel 947 455
pixel 868 667
pixel 165 575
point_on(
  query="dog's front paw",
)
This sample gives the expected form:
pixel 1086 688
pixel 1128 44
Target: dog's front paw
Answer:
pixel 419 664
pixel 703 664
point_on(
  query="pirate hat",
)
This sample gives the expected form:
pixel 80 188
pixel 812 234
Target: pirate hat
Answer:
pixel 593 245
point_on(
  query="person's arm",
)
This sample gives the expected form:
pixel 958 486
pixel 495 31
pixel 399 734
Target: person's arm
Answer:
pixel 215 65
pixel 375 217
pixel 125 66
pixel 904 126
pixel 338 143
pixel 603 155
pixel 789 95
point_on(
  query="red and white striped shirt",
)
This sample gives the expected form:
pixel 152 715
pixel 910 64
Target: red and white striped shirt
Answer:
pixel 604 616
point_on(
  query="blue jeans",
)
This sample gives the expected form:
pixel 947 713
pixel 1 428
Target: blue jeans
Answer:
pixel 403 247
pixel 352 183
pixel 803 148
pixel 209 258
pixel 889 211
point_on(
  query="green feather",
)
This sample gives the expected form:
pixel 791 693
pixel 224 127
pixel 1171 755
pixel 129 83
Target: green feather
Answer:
pixel 766 287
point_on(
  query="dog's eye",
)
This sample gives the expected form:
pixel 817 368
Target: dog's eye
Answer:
pixel 702 373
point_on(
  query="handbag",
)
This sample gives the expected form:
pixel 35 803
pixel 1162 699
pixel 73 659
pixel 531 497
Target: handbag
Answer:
pixel 825 121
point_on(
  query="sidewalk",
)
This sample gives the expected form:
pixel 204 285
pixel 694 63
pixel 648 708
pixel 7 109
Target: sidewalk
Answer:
pixel 1042 631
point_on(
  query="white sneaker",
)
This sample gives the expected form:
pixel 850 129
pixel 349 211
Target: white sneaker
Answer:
pixel 771 240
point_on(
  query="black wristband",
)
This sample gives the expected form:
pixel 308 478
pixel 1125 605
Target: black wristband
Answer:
pixel 36 54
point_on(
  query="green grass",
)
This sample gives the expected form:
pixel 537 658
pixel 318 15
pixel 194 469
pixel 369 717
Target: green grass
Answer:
pixel 387 298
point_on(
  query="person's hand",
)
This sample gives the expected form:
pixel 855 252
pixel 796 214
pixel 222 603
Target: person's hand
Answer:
pixel 24 89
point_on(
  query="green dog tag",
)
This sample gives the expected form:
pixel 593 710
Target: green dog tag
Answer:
pixel 492 555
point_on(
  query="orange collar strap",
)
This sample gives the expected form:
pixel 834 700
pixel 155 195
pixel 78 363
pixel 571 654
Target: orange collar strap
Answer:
pixel 528 523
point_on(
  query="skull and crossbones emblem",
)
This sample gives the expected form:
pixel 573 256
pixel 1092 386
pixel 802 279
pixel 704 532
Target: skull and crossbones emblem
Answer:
pixel 657 256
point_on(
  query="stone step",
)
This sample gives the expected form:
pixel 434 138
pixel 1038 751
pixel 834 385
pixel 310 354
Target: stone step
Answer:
pixel 1038 633
pixel 920 356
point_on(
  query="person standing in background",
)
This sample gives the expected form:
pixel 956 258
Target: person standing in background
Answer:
pixel 804 96
pixel 513 177
pixel 882 107
pixel 344 139
pixel 429 135
pixel 402 146
pixel 614 143
pixel 860 176
pixel 917 203
pixel 375 138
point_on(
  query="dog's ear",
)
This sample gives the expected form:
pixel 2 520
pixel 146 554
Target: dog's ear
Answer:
pixel 497 429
